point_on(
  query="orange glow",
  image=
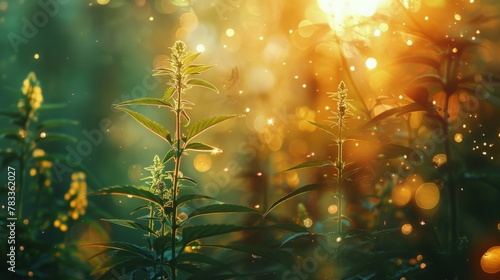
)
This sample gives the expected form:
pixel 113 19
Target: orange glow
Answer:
pixel 490 261
pixel 427 196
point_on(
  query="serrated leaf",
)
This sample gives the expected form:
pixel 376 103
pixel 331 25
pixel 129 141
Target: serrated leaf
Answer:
pixel 197 68
pixel 312 163
pixel 221 208
pixel 202 83
pixel 190 58
pixel 296 236
pixel 130 191
pixel 272 254
pixel 202 125
pixel 200 147
pixel 162 243
pixel 148 123
pixel 122 246
pixel 130 224
pixel 168 93
pixel 189 197
pixel 299 191
pixel 49 136
pixel 54 123
pixel 148 101
pixel 325 128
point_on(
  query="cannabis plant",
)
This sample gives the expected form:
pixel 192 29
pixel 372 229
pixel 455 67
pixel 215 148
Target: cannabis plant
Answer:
pixel 346 246
pixel 35 175
pixel 173 240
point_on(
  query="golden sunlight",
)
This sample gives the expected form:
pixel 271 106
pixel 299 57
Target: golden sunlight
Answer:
pixel 344 8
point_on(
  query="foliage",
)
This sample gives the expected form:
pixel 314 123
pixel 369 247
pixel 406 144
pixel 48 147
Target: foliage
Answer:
pixel 41 250
pixel 173 237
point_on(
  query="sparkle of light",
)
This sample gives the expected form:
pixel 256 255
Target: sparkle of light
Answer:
pixel 200 48
pixel 229 32
pixel 371 63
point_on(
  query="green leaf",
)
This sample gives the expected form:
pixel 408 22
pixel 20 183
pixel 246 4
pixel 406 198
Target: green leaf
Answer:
pixel 312 163
pixel 296 236
pixel 11 114
pixel 53 123
pixel 197 68
pixel 130 191
pixel 325 128
pixel 130 224
pixel 168 93
pixel 202 83
pixel 163 71
pixel 148 101
pixel 49 136
pixel 148 123
pixel 200 258
pixel 190 58
pixel 301 190
pixel 168 156
pixel 162 243
pixel 122 246
pixel 200 147
pixel 47 106
pixel 8 156
pixel 118 264
pixel 272 254
pixel 189 197
pixel 139 209
pixel 192 233
pixel 221 208
pixel 10 134
pixel 202 125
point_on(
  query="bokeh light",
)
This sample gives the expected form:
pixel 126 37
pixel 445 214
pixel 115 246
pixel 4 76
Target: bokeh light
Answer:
pixel 427 196
pixel 490 261
pixel 202 162
pixel 406 229
pixel 401 195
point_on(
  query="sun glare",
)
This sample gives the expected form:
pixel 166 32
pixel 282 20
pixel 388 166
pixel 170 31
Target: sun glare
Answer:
pixel 344 8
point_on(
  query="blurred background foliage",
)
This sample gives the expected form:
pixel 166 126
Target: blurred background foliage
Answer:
pixel 275 61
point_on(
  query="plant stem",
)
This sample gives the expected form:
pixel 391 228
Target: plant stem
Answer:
pixel 339 179
pixel 177 167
